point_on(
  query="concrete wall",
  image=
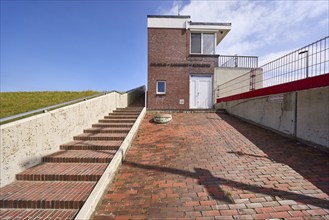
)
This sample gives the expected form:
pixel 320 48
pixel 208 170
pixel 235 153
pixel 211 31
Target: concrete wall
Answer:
pixel 313 116
pixel 307 119
pixel 226 74
pixel 26 141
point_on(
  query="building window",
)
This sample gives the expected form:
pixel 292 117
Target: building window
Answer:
pixel 161 87
pixel 202 43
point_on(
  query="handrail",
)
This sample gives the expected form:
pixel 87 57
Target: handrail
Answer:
pixel 235 61
pixel 308 61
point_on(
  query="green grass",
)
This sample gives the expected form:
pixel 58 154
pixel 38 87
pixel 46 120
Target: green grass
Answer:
pixel 12 103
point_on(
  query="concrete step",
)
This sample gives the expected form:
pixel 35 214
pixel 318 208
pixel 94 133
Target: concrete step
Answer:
pixel 63 172
pixel 107 130
pixel 130 109
pixel 100 137
pixel 80 156
pixel 121 117
pixel 125 113
pixel 91 145
pixel 117 121
pixel 49 214
pixel 112 125
pixel 45 194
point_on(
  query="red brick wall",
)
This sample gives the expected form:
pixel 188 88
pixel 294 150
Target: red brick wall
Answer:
pixel 171 46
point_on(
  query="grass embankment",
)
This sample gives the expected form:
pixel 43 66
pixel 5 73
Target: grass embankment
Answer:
pixel 12 103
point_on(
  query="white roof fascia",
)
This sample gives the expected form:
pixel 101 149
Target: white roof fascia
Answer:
pixel 214 28
pixel 180 23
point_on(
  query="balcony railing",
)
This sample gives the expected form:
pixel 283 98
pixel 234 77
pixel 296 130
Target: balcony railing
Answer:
pixel 309 61
pixel 238 61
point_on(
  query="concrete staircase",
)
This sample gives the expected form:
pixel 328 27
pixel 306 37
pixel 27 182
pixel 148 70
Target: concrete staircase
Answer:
pixel 58 187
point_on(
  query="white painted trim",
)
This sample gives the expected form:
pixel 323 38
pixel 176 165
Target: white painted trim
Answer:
pixel 215 28
pixel 90 205
pixel 165 87
pixel 180 23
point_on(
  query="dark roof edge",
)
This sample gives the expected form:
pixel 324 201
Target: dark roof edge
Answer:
pixel 169 16
pixel 210 23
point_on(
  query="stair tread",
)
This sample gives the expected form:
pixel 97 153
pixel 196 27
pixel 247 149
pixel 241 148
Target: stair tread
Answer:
pixel 113 125
pixel 80 156
pixel 50 214
pixel 132 117
pixel 83 154
pixel 119 113
pixel 107 130
pixel 63 172
pixel 129 108
pixel 127 111
pixel 93 143
pixel 102 135
pixel 119 120
pixel 54 194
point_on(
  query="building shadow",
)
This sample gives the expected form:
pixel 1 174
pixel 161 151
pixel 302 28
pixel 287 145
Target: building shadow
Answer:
pixel 312 164
pixel 137 102
pixel 206 179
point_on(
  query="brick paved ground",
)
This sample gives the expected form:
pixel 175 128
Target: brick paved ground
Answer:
pixel 209 166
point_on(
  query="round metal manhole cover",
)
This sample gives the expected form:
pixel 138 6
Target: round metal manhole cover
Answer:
pixel 162 118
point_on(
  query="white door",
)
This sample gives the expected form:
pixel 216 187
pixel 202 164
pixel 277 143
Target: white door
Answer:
pixel 201 92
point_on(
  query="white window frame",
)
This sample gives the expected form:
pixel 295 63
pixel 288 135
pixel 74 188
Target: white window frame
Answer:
pixel 165 87
pixel 202 42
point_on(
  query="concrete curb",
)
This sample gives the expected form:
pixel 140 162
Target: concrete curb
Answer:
pixel 89 206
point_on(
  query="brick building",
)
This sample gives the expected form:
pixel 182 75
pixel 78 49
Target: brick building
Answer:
pixel 181 62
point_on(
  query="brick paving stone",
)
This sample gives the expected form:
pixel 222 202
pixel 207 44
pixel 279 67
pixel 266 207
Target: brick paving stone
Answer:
pixel 280 215
pixel 50 214
pixel 209 166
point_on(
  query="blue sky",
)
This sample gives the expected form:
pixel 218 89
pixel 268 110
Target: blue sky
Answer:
pixel 102 45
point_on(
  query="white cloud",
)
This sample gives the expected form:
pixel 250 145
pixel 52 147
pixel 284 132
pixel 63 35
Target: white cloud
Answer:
pixel 258 25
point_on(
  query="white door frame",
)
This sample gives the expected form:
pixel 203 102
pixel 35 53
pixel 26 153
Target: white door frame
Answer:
pixel 201 75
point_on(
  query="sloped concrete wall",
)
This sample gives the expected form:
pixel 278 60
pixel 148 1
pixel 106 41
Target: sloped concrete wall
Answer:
pixel 313 116
pixel 25 142
pixel 303 114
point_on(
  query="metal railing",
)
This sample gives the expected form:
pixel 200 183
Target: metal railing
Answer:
pixel 238 61
pixel 311 60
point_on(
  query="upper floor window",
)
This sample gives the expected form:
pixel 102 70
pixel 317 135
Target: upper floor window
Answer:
pixel 202 43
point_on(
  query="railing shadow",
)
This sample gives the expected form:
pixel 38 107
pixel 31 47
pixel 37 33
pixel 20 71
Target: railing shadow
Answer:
pixel 240 153
pixel 206 179
pixel 310 163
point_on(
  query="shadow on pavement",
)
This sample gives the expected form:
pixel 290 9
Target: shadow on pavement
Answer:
pixel 206 179
pixel 309 162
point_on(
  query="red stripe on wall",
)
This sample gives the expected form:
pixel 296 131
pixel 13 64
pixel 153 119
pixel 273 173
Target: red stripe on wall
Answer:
pixel 308 83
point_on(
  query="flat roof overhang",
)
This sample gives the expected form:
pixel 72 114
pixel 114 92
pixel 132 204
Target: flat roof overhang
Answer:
pixel 184 22
pixel 220 29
